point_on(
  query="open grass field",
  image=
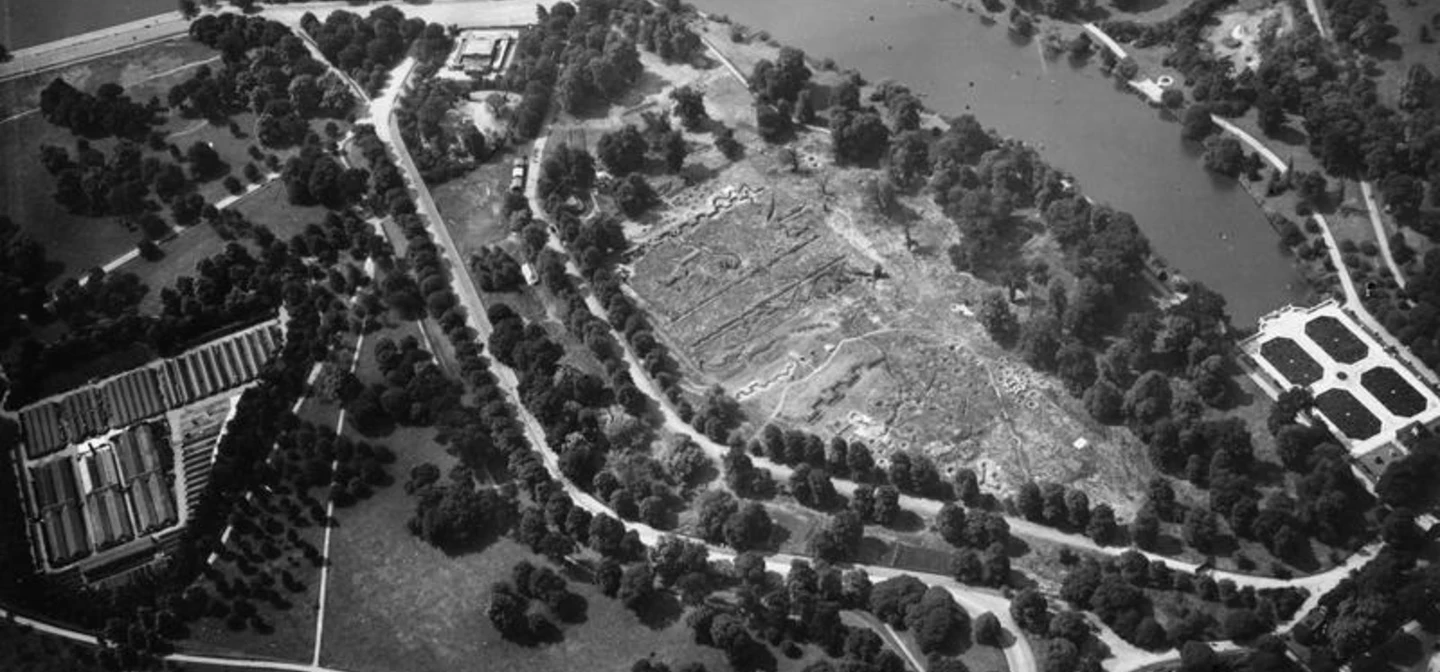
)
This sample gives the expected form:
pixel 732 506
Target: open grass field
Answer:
pixel 471 204
pixel 289 628
pixel 1394 63
pixel 77 242
pixel 270 205
pixel 397 603
pixel 267 205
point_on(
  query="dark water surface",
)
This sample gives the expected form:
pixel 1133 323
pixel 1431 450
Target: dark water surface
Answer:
pixel 1120 150
pixel 26 23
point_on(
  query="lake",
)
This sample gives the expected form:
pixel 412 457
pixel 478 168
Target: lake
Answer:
pixel 26 23
pixel 1118 147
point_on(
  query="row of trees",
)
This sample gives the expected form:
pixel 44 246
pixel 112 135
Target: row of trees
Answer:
pixel 1116 592
pixel 106 113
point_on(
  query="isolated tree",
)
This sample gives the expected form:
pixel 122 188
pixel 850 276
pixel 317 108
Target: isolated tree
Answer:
pixel 998 319
pixel 1031 611
pixel 689 106
pixel 204 161
pixel 622 151
pixel 987 630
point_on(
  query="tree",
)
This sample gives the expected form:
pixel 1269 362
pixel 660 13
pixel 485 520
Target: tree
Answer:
pixel 840 539
pixel 1031 611
pixel 507 612
pixel 891 599
pixel 1197 124
pixel 1197 657
pixel 950 523
pixel 887 505
pixel 1201 529
pixel 1040 342
pixel 1145 530
pixel 774 126
pixel 860 138
pixel 689 106
pixel 748 528
pixel 673 150
pixel 1148 400
pixel 1225 156
pixel 204 161
pixel 1102 526
pixel 637 584
pixel 936 620
pixel 997 318
pixel 474 142
pixel 1029 501
pixel 727 144
pixel 634 195
pixel 622 151
pixel 988 631
pixel 188 9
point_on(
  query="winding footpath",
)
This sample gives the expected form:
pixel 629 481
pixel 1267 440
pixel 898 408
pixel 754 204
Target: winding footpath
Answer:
pixel 1378 224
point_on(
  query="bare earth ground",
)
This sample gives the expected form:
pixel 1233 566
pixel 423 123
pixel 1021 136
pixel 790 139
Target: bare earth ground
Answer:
pixel 773 298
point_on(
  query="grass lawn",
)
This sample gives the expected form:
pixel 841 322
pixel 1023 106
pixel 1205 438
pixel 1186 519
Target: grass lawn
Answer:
pixel 397 603
pixel 80 242
pixel 182 254
pixel 27 193
pixel 267 205
pixel 470 205
pixel 290 630
pixel 270 205
pixel 144 72
pixel 1408 50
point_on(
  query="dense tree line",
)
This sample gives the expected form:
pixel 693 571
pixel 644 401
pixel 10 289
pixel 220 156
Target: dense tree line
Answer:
pixel 441 151
pixel 106 113
pixel 1369 606
pixel 1116 592
pixel 268 71
pixel 572 55
pixel 495 270
pixel 1360 24
pixel 121 185
pixel 801 607
pixel 314 177
pixel 368 47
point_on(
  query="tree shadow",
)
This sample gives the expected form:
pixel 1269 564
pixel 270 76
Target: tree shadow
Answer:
pixel 779 534
pixel 1016 547
pixel 1289 135
pixel 1386 52
pixel 1167 544
pixel 469 546
pixel 573 609
pixel 659 611
pixel 907 521
pixel 1139 6
pixel 648 84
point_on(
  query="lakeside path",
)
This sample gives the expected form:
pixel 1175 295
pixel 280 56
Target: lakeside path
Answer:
pixel 1106 40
